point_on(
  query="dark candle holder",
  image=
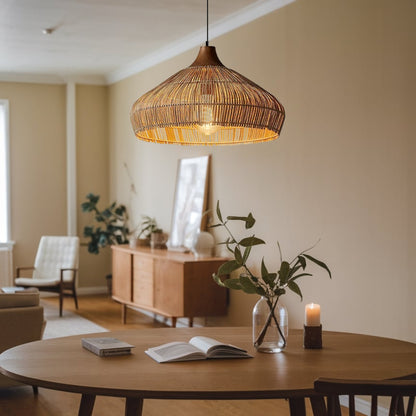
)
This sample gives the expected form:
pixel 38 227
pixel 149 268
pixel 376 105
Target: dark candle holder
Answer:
pixel 312 337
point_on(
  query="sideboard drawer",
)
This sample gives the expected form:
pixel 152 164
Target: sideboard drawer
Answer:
pixel 143 291
pixel 143 264
pixel 143 281
pixel 122 276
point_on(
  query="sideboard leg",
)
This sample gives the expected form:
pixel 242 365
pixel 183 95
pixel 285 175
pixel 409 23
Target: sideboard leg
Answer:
pixel 297 406
pixel 123 313
pixel 173 321
pixel 191 322
pixel 134 406
pixel 87 405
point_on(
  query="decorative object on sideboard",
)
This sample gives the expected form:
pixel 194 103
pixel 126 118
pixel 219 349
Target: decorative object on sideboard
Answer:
pixel 268 337
pixel 203 245
pixel 140 236
pixel 114 228
pixel 158 238
pixel 190 202
pixel 207 104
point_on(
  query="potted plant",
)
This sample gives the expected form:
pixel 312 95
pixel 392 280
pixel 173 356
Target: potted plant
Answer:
pixel 141 234
pixel 267 333
pixel 110 224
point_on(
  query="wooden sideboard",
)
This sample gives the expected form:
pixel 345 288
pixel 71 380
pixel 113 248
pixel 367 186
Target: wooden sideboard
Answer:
pixel 167 283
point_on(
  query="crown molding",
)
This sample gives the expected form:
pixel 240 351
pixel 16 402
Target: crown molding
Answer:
pixel 85 79
pixel 231 22
pixel 30 78
pixel 52 79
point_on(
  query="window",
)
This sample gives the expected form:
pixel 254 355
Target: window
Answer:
pixel 4 173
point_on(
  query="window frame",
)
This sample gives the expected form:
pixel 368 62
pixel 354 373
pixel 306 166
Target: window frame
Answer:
pixel 5 105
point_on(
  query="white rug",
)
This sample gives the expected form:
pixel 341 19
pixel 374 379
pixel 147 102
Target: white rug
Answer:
pixel 69 324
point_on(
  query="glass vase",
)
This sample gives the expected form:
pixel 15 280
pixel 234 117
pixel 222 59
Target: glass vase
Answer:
pixel 270 326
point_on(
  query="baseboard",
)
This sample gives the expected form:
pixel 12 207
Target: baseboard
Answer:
pixel 92 290
pixel 364 406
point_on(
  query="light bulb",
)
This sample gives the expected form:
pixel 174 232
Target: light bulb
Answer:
pixel 206 126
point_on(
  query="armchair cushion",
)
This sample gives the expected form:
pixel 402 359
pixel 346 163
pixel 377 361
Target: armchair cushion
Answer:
pixel 18 300
pixel 20 325
pixel 28 281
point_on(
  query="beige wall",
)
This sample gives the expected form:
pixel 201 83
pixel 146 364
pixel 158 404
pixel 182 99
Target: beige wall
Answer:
pixel 37 164
pixel 38 167
pixel 342 171
pixel 92 174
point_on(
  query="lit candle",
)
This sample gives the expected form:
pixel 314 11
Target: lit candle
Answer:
pixel 312 314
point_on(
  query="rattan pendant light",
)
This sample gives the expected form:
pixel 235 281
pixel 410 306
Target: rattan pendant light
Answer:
pixel 207 104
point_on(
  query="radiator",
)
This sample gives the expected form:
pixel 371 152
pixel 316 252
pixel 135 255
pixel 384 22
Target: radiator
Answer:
pixel 6 266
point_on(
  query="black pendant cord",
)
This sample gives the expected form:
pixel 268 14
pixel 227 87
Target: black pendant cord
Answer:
pixel 206 42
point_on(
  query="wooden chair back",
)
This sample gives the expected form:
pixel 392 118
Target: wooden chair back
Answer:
pixel 396 390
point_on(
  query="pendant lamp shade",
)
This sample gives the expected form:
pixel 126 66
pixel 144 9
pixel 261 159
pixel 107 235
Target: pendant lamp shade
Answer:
pixel 207 104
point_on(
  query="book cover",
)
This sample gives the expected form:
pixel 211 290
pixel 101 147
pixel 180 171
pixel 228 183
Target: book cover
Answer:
pixel 106 346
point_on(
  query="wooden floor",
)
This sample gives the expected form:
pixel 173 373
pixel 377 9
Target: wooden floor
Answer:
pixel 103 311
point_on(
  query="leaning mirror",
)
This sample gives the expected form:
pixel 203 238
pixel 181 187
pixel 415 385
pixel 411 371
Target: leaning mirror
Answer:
pixel 190 202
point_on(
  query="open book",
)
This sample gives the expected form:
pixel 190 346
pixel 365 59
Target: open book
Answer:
pixel 198 348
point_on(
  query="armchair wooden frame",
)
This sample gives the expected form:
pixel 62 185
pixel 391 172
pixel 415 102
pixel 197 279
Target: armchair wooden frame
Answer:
pixel 63 288
pixel 397 390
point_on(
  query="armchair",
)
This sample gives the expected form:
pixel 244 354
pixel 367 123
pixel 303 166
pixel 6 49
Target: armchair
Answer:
pixel 21 321
pixel 55 268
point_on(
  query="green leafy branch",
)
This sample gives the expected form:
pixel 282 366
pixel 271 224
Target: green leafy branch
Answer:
pixel 114 229
pixel 270 285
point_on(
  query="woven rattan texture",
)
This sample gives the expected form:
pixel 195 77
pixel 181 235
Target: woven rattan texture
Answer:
pixel 207 105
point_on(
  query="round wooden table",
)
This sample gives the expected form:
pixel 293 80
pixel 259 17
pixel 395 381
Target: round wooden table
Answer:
pixel 62 364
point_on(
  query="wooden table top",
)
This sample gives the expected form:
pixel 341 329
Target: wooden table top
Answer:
pixel 62 364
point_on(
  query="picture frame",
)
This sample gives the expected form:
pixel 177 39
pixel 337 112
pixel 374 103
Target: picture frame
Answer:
pixel 190 202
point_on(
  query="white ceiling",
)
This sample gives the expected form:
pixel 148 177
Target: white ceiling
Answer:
pixel 102 41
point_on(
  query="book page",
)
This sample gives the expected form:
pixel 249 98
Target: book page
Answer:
pixel 204 343
pixel 175 351
pixel 209 345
